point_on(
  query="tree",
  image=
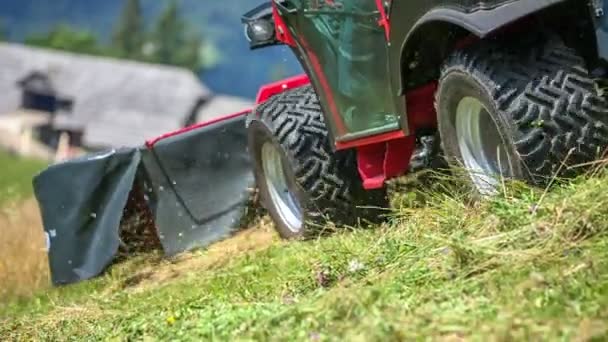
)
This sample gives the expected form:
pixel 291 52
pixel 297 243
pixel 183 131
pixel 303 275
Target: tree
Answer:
pixel 278 72
pixel 173 44
pixel 128 38
pixel 3 31
pixel 63 37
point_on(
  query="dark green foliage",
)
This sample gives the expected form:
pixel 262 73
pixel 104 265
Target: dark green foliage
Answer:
pixel 172 43
pixel 278 72
pixel 64 37
pixel 3 31
pixel 129 34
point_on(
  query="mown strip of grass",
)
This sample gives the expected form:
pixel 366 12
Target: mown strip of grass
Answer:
pixel 16 177
pixel 521 266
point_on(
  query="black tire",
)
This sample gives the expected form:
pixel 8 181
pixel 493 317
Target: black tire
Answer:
pixel 325 183
pixel 545 106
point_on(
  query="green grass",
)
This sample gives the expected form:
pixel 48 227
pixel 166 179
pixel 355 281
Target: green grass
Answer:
pixel 16 177
pixel 523 266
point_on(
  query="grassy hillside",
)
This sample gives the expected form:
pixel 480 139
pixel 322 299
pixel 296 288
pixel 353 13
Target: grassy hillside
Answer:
pixel 23 260
pixel 527 265
pixel 16 177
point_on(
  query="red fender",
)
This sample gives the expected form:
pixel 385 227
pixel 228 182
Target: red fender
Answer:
pixel 278 87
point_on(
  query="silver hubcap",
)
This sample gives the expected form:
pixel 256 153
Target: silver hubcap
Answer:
pixel 480 145
pixel 283 200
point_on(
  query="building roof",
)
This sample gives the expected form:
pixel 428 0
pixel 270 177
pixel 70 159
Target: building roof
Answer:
pixel 117 102
pixel 220 105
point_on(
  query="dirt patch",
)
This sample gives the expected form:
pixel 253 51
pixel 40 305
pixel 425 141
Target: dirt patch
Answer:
pixel 257 238
pixel 24 265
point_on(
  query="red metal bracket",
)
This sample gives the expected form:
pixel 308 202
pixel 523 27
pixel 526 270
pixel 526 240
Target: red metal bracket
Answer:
pixel 421 111
pixel 282 32
pixel 386 156
pixel 379 162
pixel 371 140
pixel 384 21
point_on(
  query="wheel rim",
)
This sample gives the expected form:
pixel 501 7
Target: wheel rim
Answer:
pixel 286 204
pixel 481 146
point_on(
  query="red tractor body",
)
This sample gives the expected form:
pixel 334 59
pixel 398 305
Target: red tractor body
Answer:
pixel 384 149
pixel 378 72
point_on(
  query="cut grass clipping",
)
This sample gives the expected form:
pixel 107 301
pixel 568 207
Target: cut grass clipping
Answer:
pixel 512 268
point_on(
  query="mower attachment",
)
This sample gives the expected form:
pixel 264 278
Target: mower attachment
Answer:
pixel 192 188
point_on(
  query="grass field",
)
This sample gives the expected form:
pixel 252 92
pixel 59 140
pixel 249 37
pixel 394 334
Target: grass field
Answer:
pixel 16 177
pixel 527 265
pixel 23 260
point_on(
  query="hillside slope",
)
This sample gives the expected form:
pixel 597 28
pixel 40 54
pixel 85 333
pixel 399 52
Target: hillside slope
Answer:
pixel 16 177
pixel 23 259
pixel 527 265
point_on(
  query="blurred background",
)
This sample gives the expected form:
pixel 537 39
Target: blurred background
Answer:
pixel 159 65
pixel 79 76
pixel 205 36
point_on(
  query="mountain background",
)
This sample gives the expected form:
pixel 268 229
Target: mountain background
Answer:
pixel 233 68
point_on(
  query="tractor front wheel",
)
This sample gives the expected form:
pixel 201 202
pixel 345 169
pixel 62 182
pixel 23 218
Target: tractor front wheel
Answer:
pixel 303 183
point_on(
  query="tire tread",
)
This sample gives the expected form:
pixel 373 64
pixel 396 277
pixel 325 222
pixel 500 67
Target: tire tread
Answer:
pixel 329 178
pixel 545 90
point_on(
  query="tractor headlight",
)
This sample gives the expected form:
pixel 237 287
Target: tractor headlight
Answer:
pixel 259 26
pixel 259 31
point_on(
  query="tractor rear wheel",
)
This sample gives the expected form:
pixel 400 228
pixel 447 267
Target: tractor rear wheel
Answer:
pixel 303 183
pixel 521 110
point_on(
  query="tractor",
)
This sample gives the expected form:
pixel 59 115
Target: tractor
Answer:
pixel 504 89
pixel 492 90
